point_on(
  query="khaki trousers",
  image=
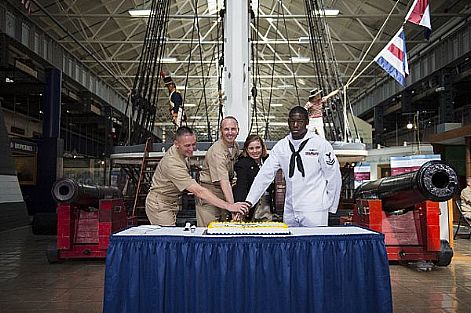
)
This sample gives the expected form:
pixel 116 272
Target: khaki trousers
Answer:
pixel 207 213
pixel 161 210
pixel 262 210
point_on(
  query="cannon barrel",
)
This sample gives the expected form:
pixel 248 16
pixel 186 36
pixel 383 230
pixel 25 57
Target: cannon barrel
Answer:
pixel 70 191
pixel 435 181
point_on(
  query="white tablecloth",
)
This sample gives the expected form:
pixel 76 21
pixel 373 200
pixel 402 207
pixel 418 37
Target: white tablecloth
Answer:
pixel 153 230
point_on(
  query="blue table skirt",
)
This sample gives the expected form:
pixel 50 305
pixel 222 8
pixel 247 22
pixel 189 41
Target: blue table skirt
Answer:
pixel 247 274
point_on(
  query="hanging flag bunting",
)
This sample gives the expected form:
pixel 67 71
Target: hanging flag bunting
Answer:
pixel 419 14
pixel 393 58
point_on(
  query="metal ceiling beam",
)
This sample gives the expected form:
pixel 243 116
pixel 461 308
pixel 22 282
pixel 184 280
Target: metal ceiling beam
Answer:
pixel 88 29
pixel 66 31
pixel 105 22
pixel 259 88
pixel 213 42
pixel 367 30
pixel 188 16
pixel 216 61
pixel 215 76
pixel 121 45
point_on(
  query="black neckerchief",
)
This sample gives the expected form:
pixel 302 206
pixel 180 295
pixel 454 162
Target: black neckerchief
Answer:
pixel 295 156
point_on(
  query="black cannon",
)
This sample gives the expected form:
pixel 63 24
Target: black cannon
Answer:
pixel 86 217
pixel 435 181
pixel 70 191
pixel 406 209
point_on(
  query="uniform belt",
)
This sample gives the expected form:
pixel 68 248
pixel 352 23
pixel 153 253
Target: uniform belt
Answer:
pixel 209 184
pixel 166 198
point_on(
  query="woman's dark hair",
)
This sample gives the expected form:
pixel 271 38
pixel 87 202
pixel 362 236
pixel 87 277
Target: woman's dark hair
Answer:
pixel 249 140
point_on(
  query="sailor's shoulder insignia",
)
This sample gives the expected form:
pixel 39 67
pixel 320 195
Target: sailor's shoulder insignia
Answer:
pixel 330 160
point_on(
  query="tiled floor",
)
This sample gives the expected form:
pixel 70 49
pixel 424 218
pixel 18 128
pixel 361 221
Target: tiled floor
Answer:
pixel 29 284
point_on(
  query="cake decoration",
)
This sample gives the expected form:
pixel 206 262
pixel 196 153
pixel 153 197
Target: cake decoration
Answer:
pixel 247 228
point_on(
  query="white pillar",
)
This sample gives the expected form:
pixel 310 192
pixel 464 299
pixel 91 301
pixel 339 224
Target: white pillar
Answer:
pixel 236 64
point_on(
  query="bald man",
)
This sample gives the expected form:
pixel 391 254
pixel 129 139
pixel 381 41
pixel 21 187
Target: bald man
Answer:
pixel 218 171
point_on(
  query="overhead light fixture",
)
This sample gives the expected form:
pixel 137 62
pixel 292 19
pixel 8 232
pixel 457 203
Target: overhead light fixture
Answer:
pixel 307 39
pixel 409 125
pixel 189 105
pixel 278 123
pixel 276 105
pixel 285 86
pixel 196 117
pixel 139 13
pixel 300 59
pixel 214 5
pixel 303 39
pixel 327 12
pixel 168 60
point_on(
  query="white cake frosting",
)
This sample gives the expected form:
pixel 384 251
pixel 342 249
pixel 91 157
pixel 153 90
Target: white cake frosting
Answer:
pixel 250 228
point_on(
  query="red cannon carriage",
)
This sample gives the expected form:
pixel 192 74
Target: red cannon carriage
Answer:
pixel 86 217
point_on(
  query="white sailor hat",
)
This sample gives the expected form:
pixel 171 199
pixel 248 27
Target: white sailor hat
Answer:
pixel 315 93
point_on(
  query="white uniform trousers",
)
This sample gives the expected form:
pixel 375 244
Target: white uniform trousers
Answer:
pixel 306 219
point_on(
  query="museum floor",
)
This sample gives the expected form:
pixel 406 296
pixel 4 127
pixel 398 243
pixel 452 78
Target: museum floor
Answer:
pixel 28 283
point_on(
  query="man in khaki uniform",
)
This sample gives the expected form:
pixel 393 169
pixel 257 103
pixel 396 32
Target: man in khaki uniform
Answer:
pixel 466 199
pixel 218 171
pixel 172 177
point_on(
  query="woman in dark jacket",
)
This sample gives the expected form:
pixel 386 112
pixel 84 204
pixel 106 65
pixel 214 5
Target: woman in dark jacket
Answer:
pixel 246 168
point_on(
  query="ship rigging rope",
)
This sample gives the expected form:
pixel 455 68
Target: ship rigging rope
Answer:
pixel 203 96
pixel 257 69
pixel 267 129
pixel 189 58
pixel 352 77
pixel 318 35
pixel 289 52
pixel 202 70
pixel 220 68
pixel 255 66
pixel 141 108
pixel 329 79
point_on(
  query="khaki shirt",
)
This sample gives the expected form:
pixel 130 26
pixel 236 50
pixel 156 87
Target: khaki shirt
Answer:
pixel 219 164
pixel 466 202
pixel 172 175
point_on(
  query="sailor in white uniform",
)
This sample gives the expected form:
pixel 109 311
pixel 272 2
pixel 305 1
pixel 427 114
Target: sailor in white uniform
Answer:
pixel 311 170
